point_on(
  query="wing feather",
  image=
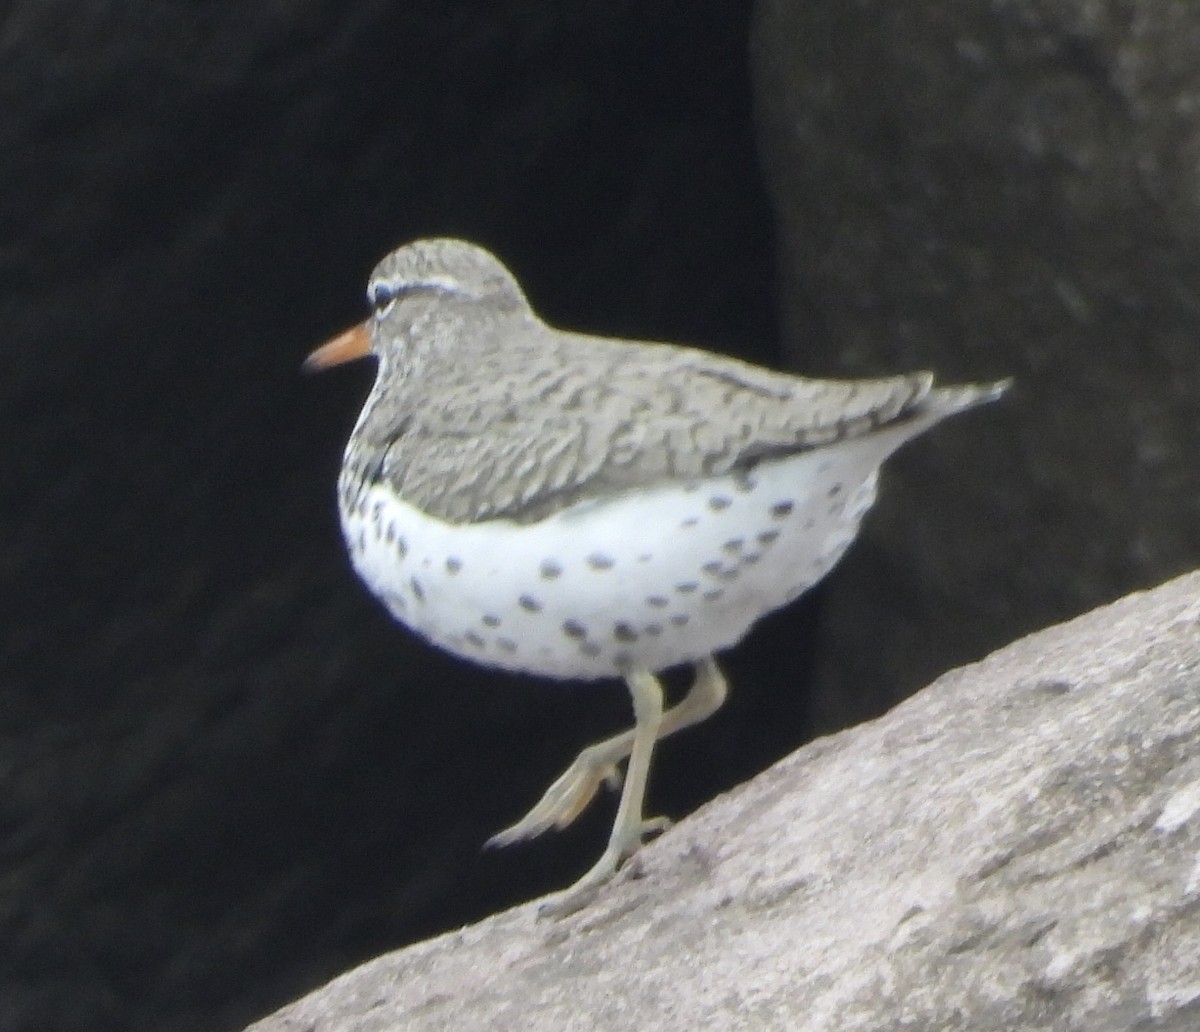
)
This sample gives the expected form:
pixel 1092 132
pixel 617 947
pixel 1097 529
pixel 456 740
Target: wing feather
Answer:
pixel 566 417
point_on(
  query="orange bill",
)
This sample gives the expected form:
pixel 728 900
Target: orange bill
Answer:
pixel 345 347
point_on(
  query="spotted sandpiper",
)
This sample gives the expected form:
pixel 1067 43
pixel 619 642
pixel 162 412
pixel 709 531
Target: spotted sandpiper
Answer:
pixel 584 507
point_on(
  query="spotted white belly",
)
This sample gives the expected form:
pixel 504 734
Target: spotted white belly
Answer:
pixel 647 579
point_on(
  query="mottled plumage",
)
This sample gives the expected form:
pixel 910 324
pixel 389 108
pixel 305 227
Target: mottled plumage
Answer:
pixel 579 506
pixel 484 411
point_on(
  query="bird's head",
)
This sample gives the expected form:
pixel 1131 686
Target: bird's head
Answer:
pixel 406 282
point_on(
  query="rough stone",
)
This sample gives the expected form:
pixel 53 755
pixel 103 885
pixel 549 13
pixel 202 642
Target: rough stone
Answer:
pixel 1016 847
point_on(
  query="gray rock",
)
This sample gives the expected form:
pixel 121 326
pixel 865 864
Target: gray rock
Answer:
pixel 988 189
pixel 1016 847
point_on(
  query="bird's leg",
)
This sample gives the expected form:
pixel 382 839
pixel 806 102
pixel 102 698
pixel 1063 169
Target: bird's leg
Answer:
pixel 567 797
pixel 629 826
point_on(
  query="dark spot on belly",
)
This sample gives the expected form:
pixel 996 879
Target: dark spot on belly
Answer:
pixel 590 649
pixel 687 587
pixel 658 601
pixel 474 639
pixel 733 546
pixel 550 569
pixel 712 596
pixel 574 629
pixel 491 620
pixel 417 590
pixel 623 632
pixel 782 510
pixel 719 502
pixel 767 537
pixel 529 604
pixel 679 619
pixel 599 561
pixel 453 565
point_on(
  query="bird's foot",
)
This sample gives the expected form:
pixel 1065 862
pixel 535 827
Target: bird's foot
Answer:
pixel 623 844
pixel 567 798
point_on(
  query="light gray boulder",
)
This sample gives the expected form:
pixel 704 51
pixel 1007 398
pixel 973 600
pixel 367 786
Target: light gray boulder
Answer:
pixel 1015 847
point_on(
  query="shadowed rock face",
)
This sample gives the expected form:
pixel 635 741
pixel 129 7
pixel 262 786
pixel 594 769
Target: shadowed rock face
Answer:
pixel 1014 847
pixel 990 188
pixel 224 773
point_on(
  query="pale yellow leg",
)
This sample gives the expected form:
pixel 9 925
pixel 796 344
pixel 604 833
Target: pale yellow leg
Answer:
pixel 574 789
pixel 629 826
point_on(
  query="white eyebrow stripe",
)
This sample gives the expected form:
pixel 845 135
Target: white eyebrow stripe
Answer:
pixel 397 285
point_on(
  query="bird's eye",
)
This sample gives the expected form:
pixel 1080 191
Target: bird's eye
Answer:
pixel 382 296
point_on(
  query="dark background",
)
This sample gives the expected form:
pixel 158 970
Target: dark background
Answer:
pixel 227 775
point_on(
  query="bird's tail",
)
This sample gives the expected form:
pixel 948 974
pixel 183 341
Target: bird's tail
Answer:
pixel 945 401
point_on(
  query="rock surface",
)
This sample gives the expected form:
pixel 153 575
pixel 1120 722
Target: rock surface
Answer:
pixel 1016 847
pixel 993 189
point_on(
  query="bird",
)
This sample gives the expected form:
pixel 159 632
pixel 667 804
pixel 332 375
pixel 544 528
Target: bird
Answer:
pixel 580 507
